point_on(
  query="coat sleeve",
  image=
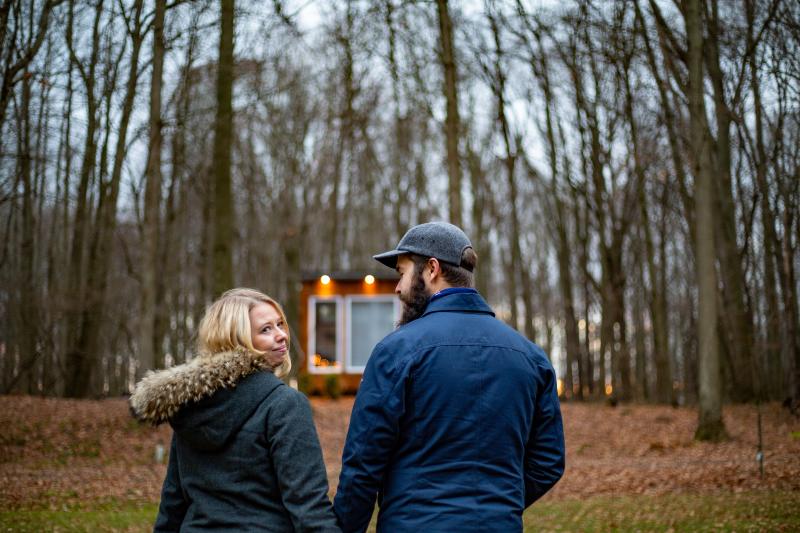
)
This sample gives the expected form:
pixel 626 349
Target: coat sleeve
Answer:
pixel 371 439
pixel 173 505
pixel 544 453
pixel 297 459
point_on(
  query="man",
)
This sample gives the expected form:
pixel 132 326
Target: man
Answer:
pixel 456 426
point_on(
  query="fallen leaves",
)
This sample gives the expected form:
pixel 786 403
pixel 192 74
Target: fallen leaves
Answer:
pixel 56 452
pixel 646 449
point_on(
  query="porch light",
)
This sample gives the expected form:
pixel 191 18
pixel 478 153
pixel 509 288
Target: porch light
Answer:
pixel 369 279
pixel 325 279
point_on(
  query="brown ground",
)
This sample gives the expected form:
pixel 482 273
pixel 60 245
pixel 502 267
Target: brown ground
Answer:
pixel 57 452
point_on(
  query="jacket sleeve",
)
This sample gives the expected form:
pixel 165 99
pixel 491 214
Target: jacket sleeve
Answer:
pixel 173 505
pixel 544 453
pixel 371 439
pixel 297 459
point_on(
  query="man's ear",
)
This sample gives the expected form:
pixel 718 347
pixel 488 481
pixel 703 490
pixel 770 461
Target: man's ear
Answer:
pixel 434 269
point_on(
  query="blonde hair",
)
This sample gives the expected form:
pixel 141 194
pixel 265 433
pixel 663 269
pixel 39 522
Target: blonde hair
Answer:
pixel 226 325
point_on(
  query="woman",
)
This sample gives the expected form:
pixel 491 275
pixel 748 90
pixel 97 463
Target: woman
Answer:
pixel 245 455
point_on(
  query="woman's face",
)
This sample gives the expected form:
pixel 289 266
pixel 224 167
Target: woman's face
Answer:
pixel 269 332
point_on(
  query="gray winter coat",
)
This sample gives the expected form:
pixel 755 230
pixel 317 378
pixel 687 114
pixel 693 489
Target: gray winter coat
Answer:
pixel 244 455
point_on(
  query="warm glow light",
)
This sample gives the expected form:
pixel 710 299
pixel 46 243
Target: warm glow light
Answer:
pixel 369 279
pixel 560 386
pixel 325 279
pixel 609 390
pixel 322 362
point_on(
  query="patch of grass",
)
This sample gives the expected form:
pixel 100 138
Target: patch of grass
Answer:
pixel 88 448
pixel 133 426
pixel 749 511
pixel 724 511
pixel 13 440
pixel 107 517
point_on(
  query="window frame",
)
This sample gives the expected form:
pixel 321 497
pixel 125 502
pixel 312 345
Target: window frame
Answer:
pixel 312 335
pixel 349 367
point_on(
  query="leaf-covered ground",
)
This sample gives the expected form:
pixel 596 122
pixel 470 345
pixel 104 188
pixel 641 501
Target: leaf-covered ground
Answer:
pixel 64 454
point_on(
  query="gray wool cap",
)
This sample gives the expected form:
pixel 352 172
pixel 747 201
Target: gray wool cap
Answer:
pixel 441 240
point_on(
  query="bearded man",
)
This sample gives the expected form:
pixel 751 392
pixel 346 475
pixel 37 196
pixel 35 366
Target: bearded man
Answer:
pixel 456 425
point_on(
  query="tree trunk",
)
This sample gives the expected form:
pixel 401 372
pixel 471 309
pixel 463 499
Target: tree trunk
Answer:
pixel 788 279
pixel 580 218
pixel 80 377
pixel 710 424
pixel 668 115
pixel 658 307
pixel 608 359
pixel 29 302
pixel 563 251
pixel 689 346
pixel 400 152
pixel 64 227
pixel 75 358
pixel 516 267
pixel 175 212
pixel 622 354
pixel 791 310
pixel 346 115
pixel 641 391
pixel 452 128
pixel 772 249
pixel 149 355
pixel 223 227
pixel 480 229
pixel 737 314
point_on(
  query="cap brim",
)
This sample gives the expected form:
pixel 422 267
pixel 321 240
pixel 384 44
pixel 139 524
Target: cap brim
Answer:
pixel 389 258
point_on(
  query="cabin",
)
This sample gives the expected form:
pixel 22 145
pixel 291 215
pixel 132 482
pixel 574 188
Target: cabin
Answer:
pixel 343 315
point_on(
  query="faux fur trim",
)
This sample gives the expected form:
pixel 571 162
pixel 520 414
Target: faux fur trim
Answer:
pixel 160 394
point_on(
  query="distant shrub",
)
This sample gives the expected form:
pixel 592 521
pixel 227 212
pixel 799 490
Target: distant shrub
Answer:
pixel 333 386
pixel 304 383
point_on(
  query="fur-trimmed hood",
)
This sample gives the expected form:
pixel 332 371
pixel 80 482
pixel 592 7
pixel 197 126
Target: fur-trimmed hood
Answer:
pixel 159 396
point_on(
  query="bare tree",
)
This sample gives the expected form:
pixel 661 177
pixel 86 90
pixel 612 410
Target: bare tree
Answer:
pixel 496 75
pixel 577 131
pixel 452 127
pixel 16 59
pixel 148 348
pixel 710 425
pixel 223 219
pixel 74 358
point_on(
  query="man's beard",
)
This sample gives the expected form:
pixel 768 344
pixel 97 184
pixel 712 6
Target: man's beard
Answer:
pixel 415 302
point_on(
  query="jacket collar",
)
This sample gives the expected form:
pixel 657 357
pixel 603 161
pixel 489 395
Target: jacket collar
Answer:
pixel 465 302
pixel 161 394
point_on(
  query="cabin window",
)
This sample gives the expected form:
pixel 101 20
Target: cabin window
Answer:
pixel 370 319
pixel 324 335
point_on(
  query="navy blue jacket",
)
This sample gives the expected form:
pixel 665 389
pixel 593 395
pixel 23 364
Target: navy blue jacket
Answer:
pixel 456 426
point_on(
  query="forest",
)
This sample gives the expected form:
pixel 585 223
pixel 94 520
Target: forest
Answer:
pixel 628 172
